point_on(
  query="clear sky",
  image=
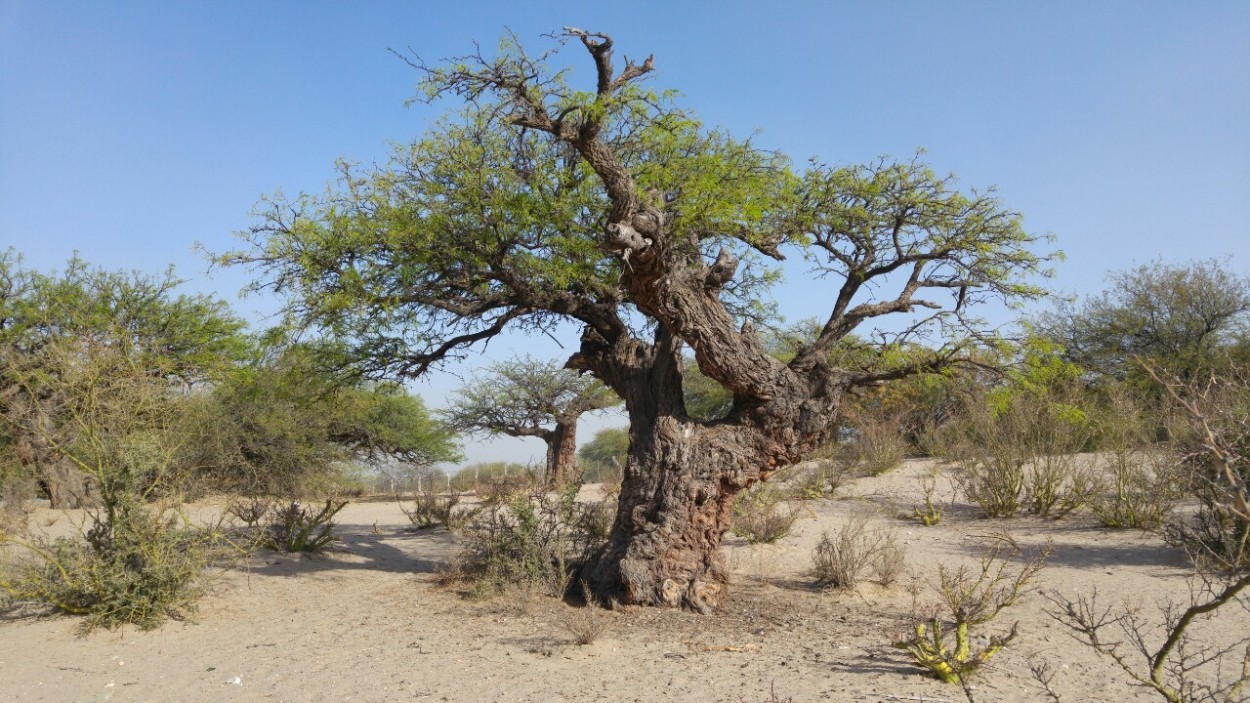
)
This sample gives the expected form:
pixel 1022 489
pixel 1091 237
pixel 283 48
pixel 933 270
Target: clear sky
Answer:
pixel 130 131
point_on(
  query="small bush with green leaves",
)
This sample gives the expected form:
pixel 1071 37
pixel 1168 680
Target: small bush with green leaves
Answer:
pixel 762 516
pixel 1058 484
pixel 139 566
pixel 1141 489
pixel 295 528
pixel 1020 453
pixel 943 639
pixel 995 482
pixel 530 541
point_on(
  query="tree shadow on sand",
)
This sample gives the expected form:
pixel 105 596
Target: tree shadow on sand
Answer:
pixel 391 549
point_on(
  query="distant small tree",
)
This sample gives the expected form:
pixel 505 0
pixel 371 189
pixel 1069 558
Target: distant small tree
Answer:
pixel 282 424
pixel 609 447
pixel 525 397
pixel 1184 317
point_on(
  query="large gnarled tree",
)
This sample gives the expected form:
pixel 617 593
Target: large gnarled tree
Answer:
pixel 526 397
pixel 540 203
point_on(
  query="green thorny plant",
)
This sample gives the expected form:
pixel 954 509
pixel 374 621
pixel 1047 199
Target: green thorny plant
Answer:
pixel 930 514
pixel 529 540
pixel 133 561
pixel 295 528
pixel 943 640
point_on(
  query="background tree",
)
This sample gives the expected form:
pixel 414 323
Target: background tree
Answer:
pixel 49 320
pixel 607 450
pixel 525 397
pixel 611 208
pixel 281 424
pixel 1185 317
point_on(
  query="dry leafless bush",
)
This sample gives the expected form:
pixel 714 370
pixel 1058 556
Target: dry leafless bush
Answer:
pixel 586 623
pixel 295 528
pixel 890 559
pixel 431 509
pixel 249 512
pixel 1158 650
pixel 503 489
pixel 1213 436
pixel 878 444
pixel 531 542
pixel 929 514
pixel 814 480
pixel 841 559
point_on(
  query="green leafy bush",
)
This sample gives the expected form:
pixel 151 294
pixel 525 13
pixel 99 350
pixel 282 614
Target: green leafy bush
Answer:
pixel 140 566
pixel 527 540
pixel 1020 451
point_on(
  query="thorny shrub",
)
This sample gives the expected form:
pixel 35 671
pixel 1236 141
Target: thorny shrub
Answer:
pixel 430 509
pixel 841 559
pixel 295 528
pixel 530 540
pixel 761 515
pixel 139 566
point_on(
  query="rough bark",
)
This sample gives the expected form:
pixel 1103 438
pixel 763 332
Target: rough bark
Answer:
pixel 562 453
pixel 682 476
pixel 65 486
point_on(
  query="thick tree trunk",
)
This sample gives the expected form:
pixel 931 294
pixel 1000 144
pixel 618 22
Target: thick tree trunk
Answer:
pixel 676 503
pixel 65 486
pixel 680 482
pixel 562 453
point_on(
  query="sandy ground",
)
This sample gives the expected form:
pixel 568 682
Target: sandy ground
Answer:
pixel 367 622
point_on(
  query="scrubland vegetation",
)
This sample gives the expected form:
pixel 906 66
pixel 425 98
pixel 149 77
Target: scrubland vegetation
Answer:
pixel 115 422
pixel 1127 410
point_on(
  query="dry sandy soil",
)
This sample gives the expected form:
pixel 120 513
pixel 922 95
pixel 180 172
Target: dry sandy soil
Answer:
pixel 367 622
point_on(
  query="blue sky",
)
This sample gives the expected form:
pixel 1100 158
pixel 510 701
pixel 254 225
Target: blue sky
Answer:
pixel 130 131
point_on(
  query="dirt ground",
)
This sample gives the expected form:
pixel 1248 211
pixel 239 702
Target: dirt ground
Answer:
pixel 367 622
